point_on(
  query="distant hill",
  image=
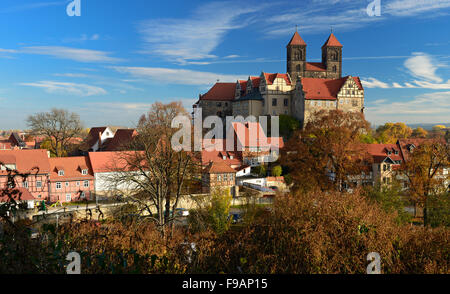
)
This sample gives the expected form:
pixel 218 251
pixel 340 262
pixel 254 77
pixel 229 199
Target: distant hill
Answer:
pixel 425 126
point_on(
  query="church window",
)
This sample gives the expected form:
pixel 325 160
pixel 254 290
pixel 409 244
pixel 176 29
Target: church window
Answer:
pixel 274 102
pixel 286 102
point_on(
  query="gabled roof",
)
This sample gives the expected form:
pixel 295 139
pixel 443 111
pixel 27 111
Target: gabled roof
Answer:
pixel 332 41
pixel 379 152
pixel 220 92
pixel 93 136
pixel 102 162
pixel 72 167
pixel 296 40
pixel 217 167
pixel 19 194
pixel 270 78
pixel 251 134
pixel 325 89
pixel 120 139
pixel 28 161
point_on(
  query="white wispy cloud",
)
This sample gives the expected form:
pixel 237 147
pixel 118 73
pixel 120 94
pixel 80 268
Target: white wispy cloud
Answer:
pixel 344 15
pixel 82 38
pixel 67 88
pixel 177 76
pixel 414 7
pixel 194 38
pixel 427 108
pixel 374 83
pixel 421 66
pixel 30 6
pixel 76 54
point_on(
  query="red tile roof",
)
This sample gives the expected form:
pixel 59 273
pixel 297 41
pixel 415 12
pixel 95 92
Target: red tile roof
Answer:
pixel 255 81
pixel 221 92
pixel 332 41
pixel 217 156
pixel 27 161
pixel 296 40
pixel 93 136
pixel 324 89
pixel 315 66
pixel 257 138
pixel 19 194
pixel 218 167
pixel 72 167
pixel 120 139
pixel 379 152
pixel 102 162
pixel 270 77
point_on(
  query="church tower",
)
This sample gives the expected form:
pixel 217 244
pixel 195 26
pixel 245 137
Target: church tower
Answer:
pixel 296 57
pixel 332 57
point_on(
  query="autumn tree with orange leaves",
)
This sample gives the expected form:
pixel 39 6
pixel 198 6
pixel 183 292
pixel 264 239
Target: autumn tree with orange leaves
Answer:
pixel 423 169
pixel 327 151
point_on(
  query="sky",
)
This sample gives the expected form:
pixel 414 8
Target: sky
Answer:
pixel 118 57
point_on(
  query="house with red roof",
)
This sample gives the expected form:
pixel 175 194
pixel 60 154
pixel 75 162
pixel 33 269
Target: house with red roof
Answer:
pixel 33 164
pixel 218 174
pixel 106 166
pixel 71 179
pixel 312 95
pixel 98 137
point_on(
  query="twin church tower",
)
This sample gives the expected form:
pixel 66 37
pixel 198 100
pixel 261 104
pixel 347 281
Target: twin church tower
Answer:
pixel 329 68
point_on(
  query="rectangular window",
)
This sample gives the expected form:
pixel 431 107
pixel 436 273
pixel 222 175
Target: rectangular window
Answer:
pixel 83 195
pixel 384 167
pixel 78 183
pixel 84 172
pixel 38 184
pixel 286 102
pixel 68 197
pixel 25 184
pixel 60 173
pixel 86 184
pixel 355 103
pixel 274 102
pixel 58 185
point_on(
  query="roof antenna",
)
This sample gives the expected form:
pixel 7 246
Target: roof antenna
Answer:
pixel 331 29
pixel 296 28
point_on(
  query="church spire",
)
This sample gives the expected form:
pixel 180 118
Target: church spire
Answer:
pixel 296 40
pixel 332 41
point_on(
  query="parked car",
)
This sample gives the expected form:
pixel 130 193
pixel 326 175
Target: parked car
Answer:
pixel 236 218
pixel 181 212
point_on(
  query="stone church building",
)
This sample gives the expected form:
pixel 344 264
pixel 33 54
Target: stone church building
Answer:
pixel 305 88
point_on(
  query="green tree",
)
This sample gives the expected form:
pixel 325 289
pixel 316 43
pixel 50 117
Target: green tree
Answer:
pixel 390 199
pixel 219 211
pixel 288 125
pixel 260 170
pixel 277 171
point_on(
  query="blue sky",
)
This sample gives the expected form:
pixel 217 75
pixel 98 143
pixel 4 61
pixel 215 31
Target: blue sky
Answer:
pixel 112 62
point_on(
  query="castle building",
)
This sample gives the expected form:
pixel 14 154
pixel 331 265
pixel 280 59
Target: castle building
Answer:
pixel 305 88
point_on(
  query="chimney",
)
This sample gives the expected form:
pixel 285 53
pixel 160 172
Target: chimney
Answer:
pixel 99 140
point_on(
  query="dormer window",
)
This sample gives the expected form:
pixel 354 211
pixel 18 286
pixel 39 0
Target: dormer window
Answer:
pixel 231 157
pixel 396 152
pixel 84 172
pixel 224 157
pixel 389 152
pixel 61 173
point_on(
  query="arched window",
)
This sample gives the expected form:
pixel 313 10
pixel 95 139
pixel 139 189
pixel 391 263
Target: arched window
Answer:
pixel 300 55
pixel 296 55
